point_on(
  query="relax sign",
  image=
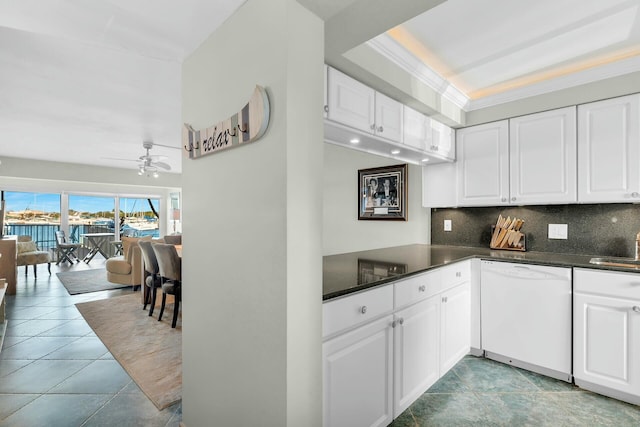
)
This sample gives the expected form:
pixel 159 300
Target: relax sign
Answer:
pixel 246 126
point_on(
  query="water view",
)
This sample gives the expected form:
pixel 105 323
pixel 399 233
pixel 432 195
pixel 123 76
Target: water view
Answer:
pixel 39 215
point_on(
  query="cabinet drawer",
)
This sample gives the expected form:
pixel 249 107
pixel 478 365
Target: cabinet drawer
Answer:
pixel 417 288
pixel 455 274
pixel 350 311
pixel 609 283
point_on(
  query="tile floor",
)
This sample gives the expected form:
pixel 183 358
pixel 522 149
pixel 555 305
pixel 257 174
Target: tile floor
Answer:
pixel 481 392
pixel 55 372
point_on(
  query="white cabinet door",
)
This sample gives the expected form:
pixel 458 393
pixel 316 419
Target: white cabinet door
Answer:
pixel 416 355
pixel 455 325
pixel 609 150
pixel 542 152
pixel 416 129
pixel 389 122
pixel 606 342
pixel 483 164
pixel 441 140
pixel 439 185
pixel 350 102
pixel 358 377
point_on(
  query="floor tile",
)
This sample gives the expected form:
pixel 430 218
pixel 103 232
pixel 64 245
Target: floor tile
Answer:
pixel 69 313
pixel 546 383
pixel 449 383
pixel 10 403
pixel 590 409
pixel 54 410
pixel 9 366
pixel 35 348
pixel 484 375
pixel 71 328
pixel 32 328
pixel 525 409
pixel 40 376
pixel 459 409
pixel 84 348
pixel 131 410
pixel 100 376
pixel 28 313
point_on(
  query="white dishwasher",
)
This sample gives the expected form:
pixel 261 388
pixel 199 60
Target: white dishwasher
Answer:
pixel 526 316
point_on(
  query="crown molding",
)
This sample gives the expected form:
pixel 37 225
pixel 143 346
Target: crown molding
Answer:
pixel 396 53
pixel 590 75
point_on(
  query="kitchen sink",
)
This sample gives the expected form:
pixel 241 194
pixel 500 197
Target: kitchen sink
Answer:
pixel 616 262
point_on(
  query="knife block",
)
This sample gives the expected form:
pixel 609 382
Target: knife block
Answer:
pixel 502 244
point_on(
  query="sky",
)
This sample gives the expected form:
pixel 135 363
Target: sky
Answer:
pixel 18 201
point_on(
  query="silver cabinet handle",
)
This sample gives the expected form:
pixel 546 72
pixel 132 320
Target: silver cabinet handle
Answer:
pixel 326 108
pixel 363 309
pixel 380 129
pixel 635 194
pixel 373 126
pixel 393 324
pixel 636 309
pixel 458 274
pixel 422 288
pixel 401 320
pixel 504 199
pixel 513 199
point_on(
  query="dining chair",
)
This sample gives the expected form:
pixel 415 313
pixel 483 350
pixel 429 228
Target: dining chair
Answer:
pixel 170 266
pixel 173 239
pixel 66 251
pixel 152 281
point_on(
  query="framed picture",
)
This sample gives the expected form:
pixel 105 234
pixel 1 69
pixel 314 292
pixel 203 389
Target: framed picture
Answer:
pixel 382 193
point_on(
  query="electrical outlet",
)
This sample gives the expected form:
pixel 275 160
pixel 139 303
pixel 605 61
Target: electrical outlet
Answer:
pixel 447 225
pixel 558 231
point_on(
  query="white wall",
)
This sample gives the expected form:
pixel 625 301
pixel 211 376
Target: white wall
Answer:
pixel 252 268
pixel 342 232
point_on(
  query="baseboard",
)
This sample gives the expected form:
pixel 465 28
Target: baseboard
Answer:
pixel 563 376
pixel 605 391
pixel 476 352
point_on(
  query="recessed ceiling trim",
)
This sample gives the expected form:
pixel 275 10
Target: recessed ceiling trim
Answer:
pixel 590 75
pixel 390 49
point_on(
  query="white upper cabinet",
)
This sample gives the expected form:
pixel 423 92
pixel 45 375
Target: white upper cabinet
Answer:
pixel 417 133
pixel 542 153
pixel 350 102
pixel 388 123
pixel 609 150
pixel 483 164
pixel 441 140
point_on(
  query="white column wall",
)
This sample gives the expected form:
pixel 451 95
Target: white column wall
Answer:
pixel 252 267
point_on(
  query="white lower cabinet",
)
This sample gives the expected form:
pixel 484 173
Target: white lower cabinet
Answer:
pixel 375 370
pixel 417 359
pixel 455 321
pixel 357 370
pixel 606 335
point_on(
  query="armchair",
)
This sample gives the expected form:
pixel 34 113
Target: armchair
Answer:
pixel 127 268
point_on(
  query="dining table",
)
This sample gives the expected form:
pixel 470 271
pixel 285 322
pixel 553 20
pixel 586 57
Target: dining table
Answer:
pixel 97 244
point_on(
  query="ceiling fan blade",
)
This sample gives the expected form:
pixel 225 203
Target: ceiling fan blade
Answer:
pixel 165 146
pixel 161 165
pixel 116 158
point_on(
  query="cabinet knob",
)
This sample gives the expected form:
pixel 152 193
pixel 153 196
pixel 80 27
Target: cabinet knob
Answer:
pixel 326 108
pixel 458 274
pixel 401 320
pixel 363 309
pixel 393 324
pixel 422 288
pixel 380 129
pixel 373 126
pixel 635 194
pixel 504 199
pixel 636 309
pixel 513 199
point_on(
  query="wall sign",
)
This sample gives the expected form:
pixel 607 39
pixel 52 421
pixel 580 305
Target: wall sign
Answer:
pixel 246 126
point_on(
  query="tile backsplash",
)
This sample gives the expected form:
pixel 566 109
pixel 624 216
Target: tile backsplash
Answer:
pixel 599 229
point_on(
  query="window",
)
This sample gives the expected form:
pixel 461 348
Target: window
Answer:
pixel 139 217
pixel 33 214
pixel 90 214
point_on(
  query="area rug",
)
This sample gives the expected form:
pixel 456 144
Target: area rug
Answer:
pixel 150 351
pixel 83 281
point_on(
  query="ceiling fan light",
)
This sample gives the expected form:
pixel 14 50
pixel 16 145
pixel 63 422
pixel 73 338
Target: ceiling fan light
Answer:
pixel 155 174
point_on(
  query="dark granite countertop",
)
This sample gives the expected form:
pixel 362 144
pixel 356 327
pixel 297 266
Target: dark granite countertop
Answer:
pixel 355 271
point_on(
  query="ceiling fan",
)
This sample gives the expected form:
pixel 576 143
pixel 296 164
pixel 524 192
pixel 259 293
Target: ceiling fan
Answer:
pixel 149 164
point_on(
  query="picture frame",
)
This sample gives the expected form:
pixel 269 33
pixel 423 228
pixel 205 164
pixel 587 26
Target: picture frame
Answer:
pixel 382 193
